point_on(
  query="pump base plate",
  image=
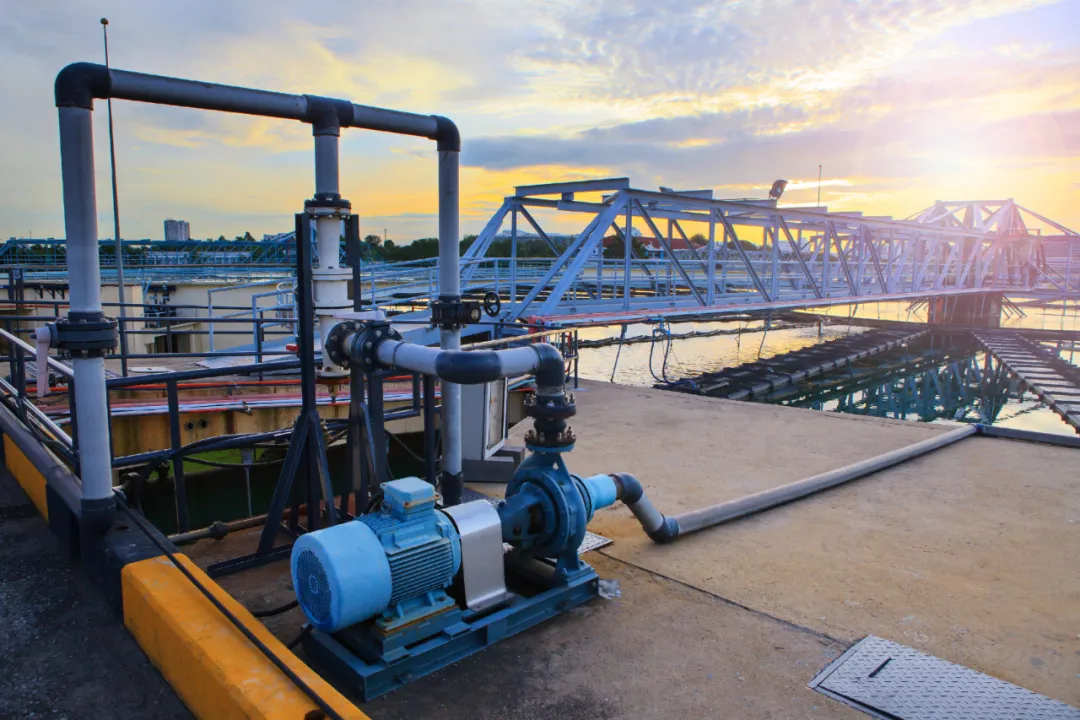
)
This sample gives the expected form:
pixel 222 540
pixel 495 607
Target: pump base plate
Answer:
pixel 531 603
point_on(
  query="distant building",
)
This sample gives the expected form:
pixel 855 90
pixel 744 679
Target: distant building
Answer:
pixel 177 231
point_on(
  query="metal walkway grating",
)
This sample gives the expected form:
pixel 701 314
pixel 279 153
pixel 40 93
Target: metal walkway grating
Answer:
pixel 892 681
pixel 1054 381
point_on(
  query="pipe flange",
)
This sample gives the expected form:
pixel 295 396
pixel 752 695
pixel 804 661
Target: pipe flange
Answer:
pixel 556 441
pixel 335 342
pixel 326 203
pixel 365 347
pixel 86 334
pixel 550 407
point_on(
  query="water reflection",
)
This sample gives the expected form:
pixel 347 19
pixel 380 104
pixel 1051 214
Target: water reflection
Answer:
pixel 938 389
pixel 936 380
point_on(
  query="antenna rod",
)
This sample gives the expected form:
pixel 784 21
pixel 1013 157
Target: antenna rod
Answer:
pixel 819 186
pixel 120 287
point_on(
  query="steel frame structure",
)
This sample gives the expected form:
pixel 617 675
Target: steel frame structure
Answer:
pixel 801 257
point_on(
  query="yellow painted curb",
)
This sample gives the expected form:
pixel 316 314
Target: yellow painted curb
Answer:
pixel 28 476
pixel 214 669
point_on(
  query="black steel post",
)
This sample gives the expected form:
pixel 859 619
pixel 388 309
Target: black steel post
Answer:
pixel 283 490
pixel 179 485
pixel 358 471
pixel 378 427
pixel 356 438
pixel 305 344
pixel 259 343
pixel 306 453
pixel 430 438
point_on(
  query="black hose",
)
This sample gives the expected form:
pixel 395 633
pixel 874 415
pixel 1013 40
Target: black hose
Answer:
pixel 275 611
pixel 374 502
pixel 251 637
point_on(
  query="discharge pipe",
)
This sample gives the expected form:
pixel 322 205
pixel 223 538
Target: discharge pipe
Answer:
pixel 375 345
pixel 663 528
pixel 89 335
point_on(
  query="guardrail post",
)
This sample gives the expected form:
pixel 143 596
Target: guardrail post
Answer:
pixel 179 484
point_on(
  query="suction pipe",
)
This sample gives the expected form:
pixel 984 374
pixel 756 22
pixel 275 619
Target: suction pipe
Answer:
pixel 663 528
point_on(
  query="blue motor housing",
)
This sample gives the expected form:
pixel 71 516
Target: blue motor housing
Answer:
pixel 395 563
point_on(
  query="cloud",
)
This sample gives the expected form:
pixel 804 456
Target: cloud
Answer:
pixel 895 98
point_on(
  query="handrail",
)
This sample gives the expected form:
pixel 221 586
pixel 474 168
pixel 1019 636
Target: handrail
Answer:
pixel 40 416
pixel 60 367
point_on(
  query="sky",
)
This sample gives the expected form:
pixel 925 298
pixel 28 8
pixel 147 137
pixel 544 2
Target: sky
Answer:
pixel 903 102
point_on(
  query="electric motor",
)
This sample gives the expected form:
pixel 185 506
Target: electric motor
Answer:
pixel 396 562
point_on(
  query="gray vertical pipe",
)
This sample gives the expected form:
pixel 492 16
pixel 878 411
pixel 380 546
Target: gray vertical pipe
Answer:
pixel 327 175
pixel 450 289
pixel 84 278
pixel 329 282
pixel 628 245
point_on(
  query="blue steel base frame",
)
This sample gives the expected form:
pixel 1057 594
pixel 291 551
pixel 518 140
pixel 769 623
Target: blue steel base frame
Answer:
pixel 340 654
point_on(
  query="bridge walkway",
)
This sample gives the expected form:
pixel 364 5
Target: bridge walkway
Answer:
pixel 1056 382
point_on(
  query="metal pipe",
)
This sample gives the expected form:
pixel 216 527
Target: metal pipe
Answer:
pixel 702 518
pixel 84 279
pixel 218 530
pixel 451 481
pixel 663 528
pixel 206 96
pixel 991 431
pixel 330 283
pixel 476 366
pixel 75 89
pixel 38 415
pixel 53 363
pixel 78 84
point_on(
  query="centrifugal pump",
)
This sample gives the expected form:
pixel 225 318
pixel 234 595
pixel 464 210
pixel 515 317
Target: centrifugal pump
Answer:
pixel 394 566
pixel 413 586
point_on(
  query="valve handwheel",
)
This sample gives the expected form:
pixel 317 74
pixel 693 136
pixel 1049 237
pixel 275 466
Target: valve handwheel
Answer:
pixel 492 304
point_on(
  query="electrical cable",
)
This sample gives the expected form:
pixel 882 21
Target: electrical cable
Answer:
pixel 275 611
pixel 247 633
pixel 407 448
pixel 615 365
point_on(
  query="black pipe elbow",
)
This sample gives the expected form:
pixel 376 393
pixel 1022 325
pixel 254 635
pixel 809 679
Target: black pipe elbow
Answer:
pixel 550 370
pixel 79 83
pixel 659 527
pixel 667 532
pixel 446 134
pixel 468 368
pixel 628 487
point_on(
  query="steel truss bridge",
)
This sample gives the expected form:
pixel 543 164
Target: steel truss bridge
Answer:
pixel 796 257
pixel 716 257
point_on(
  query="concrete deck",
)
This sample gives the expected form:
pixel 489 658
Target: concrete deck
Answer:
pixel 968 553
pixel 63 652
